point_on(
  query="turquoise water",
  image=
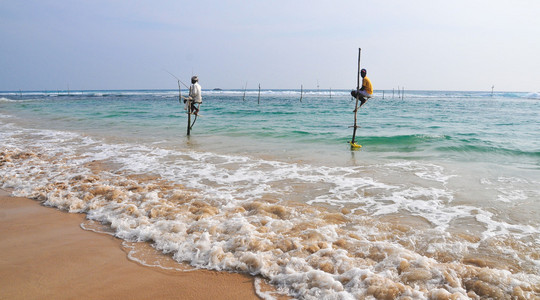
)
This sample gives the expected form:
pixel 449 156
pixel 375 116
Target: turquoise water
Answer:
pixel 463 126
pixel 446 183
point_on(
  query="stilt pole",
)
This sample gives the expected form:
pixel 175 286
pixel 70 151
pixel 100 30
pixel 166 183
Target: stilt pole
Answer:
pixel 353 142
pixel 189 117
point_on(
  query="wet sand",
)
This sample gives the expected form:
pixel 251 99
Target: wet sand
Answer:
pixel 45 254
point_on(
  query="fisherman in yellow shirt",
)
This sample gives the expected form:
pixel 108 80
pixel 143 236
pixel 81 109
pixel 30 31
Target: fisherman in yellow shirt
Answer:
pixel 366 91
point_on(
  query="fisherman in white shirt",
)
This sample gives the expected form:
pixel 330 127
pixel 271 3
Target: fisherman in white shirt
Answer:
pixel 194 95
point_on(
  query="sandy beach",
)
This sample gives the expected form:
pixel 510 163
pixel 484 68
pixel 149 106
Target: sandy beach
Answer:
pixel 45 254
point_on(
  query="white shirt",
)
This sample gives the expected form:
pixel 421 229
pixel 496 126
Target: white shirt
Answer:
pixel 195 92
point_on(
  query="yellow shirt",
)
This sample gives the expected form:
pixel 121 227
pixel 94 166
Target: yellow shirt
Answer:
pixel 366 85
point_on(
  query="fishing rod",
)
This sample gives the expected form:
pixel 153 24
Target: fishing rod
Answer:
pixel 179 87
pixel 179 81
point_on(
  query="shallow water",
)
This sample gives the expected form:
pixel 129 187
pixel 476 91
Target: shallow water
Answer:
pixel 441 201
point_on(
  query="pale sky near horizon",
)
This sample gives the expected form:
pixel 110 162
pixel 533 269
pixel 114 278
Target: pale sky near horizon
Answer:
pixel 419 45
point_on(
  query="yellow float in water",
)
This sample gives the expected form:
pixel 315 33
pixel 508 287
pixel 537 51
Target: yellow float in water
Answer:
pixel 355 145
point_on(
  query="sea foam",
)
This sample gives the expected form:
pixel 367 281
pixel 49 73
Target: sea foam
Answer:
pixel 312 231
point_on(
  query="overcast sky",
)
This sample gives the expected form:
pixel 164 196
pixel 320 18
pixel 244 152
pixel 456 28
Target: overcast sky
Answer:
pixel 421 45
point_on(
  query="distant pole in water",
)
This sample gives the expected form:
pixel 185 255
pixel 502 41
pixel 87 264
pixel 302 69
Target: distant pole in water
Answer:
pixel 330 93
pixel 259 97
pixel 492 87
pixel 353 142
pixel 392 93
pixel 402 92
pixel 301 91
pixel 245 87
pixel 383 95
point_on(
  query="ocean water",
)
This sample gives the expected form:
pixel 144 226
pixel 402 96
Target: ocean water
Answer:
pixel 441 202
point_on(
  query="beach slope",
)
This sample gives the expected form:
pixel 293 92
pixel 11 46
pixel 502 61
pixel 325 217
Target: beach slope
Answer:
pixel 45 254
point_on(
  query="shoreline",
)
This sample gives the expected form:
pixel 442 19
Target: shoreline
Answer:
pixel 44 253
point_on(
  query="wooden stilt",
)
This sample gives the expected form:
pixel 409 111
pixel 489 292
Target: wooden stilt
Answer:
pixel 189 117
pixel 353 142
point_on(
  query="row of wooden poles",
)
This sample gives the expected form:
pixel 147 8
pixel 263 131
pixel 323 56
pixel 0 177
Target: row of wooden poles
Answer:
pixel 400 93
pixel 301 94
